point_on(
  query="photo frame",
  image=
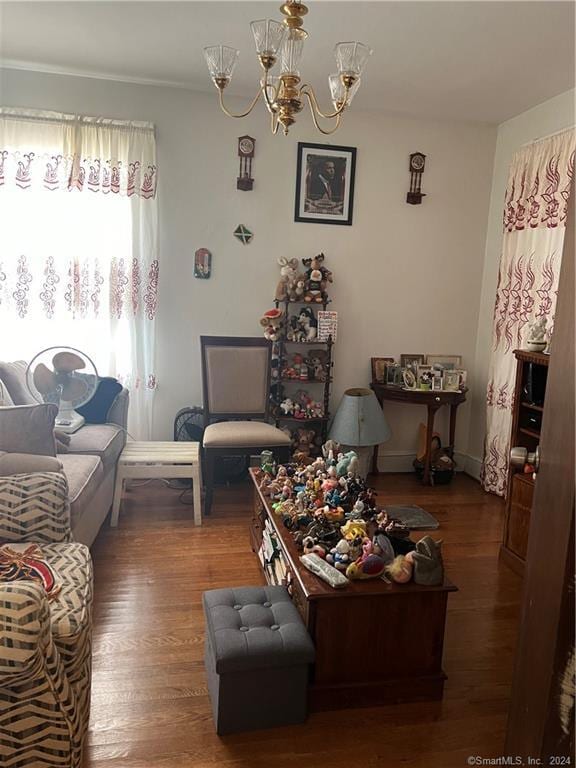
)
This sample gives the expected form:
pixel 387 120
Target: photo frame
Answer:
pixel 409 378
pixel 451 380
pixel 393 375
pixel 445 362
pixel 202 263
pixel 379 366
pixel 411 361
pixel 325 184
pixel 425 375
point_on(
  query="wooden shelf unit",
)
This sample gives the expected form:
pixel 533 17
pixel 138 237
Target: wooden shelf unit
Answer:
pixel 529 395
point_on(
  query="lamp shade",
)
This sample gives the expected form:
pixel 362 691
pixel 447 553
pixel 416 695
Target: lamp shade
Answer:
pixel 359 420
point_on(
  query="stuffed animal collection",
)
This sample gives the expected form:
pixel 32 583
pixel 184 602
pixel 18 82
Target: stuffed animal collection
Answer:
pixel 334 515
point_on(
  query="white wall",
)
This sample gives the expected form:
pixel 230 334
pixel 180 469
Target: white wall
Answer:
pixel 407 278
pixel 551 116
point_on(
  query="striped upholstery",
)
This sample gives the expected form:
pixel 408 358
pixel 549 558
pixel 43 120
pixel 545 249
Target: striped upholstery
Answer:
pixel 45 647
pixel 34 507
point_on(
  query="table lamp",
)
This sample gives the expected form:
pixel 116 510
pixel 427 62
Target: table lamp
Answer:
pixel 360 424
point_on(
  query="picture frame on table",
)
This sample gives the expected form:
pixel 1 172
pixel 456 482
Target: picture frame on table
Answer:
pixel 424 377
pixel 451 380
pixel 463 378
pixel 325 184
pixel 409 378
pixel 444 362
pixel 437 382
pixel 411 361
pixel 394 375
pixel 379 366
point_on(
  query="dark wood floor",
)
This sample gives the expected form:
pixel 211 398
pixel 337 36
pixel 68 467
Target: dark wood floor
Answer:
pixel 149 703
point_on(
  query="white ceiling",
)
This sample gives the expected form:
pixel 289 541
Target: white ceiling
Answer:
pixel 463 60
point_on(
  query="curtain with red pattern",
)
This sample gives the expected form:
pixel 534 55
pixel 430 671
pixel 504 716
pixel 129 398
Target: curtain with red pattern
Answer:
pixel 79 244
pixel 535 209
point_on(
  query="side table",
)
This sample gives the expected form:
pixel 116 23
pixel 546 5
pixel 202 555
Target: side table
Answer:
pixel 433 401
pixel 149 460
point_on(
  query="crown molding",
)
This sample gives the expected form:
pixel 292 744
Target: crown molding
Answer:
pixel 31 66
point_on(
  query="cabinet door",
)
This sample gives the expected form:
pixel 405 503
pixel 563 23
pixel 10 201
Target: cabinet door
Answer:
pixel 519 515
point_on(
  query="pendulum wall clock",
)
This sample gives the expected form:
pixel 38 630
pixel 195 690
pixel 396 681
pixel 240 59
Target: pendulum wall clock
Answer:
pixel 417 161
pixel 246 145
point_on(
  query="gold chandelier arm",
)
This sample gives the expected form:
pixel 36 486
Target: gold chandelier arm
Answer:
pixel 308 91
pixel 231 114
pixel 264 89
pixel 317 124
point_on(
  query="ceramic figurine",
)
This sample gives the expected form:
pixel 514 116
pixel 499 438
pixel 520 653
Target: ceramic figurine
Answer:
pixel 428 564
pixel 330 450
pixel 366 567
pixel 311 547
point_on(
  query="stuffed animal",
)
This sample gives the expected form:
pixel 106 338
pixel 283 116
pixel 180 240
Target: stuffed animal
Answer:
pixel 366 567
pixel 339 556
pixel 317 278
pixel 317 361
pixel 304 440
pixel 428 564
pixel 347 463
pixel 308 323
pixel 311 547
pixel 271 321
pixel 400 569
pixel 287 406
pixel 288 271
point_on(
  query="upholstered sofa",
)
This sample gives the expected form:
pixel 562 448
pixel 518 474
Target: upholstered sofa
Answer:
pixel 45 626
pixel 88 461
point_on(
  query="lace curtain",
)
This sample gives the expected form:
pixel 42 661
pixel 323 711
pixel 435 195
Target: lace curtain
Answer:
pixel 79 245
pixel 535 209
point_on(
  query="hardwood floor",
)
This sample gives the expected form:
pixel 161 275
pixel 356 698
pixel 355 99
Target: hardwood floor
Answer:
pixel 150 707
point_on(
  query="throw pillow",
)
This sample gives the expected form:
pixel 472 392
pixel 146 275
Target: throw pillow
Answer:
pixel 13 376
pixel 5 399
pixel 95 411
pixel 28 429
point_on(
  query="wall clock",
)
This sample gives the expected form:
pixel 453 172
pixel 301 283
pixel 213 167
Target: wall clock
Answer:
pixel 417 162
pixel 246 145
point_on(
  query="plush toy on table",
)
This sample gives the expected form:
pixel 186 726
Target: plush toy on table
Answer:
pixel 428 565
pixel 347 463
pixel 317 279
pixel 368 566
pixel 339 556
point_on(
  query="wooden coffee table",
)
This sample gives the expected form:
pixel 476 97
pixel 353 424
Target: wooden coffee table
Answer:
pixel 376 643
pixel 149 460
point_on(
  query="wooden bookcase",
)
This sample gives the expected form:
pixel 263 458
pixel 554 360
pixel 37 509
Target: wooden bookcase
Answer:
pixel 528 409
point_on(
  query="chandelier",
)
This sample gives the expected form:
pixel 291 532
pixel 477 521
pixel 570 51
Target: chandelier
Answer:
pixel 283 94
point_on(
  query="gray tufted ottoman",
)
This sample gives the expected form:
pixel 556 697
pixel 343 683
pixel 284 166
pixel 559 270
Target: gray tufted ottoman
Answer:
pixel 257 655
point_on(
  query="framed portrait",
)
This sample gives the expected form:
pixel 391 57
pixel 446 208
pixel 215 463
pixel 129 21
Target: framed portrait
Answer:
pixel 325 184
pixel 425 375
pixel 379 365
pixel 444 362
pixel 411 361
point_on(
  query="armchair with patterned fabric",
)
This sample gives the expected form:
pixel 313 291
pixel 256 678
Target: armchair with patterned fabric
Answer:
pixel 45 641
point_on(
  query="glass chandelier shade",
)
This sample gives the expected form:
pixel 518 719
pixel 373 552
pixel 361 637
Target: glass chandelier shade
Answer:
pixel 352 57
pixel 268 35
pixel 291 53
pixel 338 92
pixel 221 60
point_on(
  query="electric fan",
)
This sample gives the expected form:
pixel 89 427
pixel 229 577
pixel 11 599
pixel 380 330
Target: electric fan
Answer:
pixel 53 377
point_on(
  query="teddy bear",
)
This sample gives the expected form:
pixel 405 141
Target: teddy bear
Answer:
pixel 304 440
pixel 271 321
pixel 308 324
pixel 317 361
pixel 317 278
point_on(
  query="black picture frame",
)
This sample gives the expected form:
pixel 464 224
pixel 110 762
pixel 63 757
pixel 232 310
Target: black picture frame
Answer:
pixel 321 198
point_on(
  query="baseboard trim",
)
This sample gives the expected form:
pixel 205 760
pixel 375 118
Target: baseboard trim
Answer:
pixel 402 461
pixel 473 467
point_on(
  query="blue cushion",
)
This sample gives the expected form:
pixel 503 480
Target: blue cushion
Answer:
pixel 95 411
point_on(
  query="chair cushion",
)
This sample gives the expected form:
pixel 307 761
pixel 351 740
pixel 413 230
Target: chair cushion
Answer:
pixel 255 628
pixel 243 434
pixel 5 399
pixel 24 463
pixel 84 474
pixel 103 440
